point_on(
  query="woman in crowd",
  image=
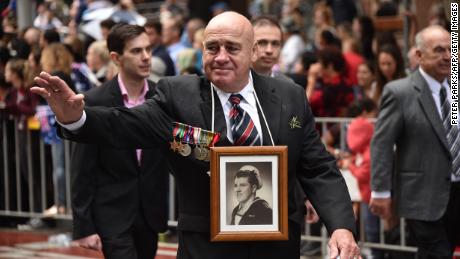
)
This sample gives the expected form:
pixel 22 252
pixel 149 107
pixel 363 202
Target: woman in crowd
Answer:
pixel 57 60
pixel 367 86
pixel 251 210
pixel 20 104
pixel 390 66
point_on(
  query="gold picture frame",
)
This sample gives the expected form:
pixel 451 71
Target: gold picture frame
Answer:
pixel 249 193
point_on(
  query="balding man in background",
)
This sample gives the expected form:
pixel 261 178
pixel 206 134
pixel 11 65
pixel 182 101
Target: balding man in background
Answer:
pixel 415 116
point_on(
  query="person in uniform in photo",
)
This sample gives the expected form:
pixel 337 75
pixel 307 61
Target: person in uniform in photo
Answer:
pixel 251 210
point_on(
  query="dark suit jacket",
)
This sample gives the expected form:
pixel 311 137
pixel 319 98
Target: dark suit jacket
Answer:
pixel 109 187
pixel 418 174
pixel 187 99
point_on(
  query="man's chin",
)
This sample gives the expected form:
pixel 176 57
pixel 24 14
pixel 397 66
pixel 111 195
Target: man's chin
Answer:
pixel 144 74
pixel 268 64
pixel 266 67
pixel 221 72
pixel 221 81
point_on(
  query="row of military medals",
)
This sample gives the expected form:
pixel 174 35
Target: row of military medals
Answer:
pixel 185 137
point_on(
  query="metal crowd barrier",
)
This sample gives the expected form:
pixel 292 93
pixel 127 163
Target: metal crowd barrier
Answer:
pixel 12 197
pixel 324 124
pixel 15 186
pixel 38 184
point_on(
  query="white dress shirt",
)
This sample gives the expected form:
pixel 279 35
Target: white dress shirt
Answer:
pixel 435 88
pixel 248 104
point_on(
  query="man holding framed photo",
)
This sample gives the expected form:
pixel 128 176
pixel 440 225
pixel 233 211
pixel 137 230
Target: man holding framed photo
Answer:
pixel 275 112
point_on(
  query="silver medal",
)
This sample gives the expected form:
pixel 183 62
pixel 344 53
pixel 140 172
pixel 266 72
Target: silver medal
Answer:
pixel 198 152
pixel 185 150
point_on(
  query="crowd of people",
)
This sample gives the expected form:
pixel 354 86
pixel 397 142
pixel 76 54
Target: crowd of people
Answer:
pixel 344 66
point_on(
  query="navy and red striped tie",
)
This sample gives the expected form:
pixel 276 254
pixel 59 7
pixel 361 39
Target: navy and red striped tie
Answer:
pixel 243 129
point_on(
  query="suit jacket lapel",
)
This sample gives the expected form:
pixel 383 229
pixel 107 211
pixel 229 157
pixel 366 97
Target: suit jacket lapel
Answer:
pixel 206 109
pixel 271 106
pixel 145 153
pixel 117 98
pixel 429 107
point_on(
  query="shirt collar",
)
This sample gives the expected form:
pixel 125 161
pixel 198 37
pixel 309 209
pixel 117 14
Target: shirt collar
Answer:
pixel 433 84
pixel 124 91
pixel 247 92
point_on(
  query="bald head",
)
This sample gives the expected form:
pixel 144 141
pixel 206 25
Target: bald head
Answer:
pixel 228 44
pixel 428 34
pixel 231 22
pixel 433 51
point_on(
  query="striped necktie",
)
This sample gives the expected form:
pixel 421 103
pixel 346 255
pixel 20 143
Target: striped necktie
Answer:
pixel 243 129
pixel 453 136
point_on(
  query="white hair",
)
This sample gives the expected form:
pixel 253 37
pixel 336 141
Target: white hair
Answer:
pixel 420 36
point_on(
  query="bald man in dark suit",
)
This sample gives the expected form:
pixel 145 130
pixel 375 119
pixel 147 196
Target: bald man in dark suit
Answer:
pixel 280 115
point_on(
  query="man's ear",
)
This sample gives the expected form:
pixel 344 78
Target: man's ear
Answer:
pixel 115 57
pixel 253 57
pixel 418 54
pixel 254 53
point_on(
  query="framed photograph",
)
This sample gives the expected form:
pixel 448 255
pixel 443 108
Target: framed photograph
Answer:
pixel 249 193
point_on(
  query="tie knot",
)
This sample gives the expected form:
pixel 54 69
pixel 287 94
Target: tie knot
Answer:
pixel 235 99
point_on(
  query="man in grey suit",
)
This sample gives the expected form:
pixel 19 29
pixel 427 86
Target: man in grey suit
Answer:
pixel 415 116
pixel 206 102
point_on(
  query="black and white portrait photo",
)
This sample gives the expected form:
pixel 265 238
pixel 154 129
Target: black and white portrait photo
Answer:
pixel 249 193
pixel 250 209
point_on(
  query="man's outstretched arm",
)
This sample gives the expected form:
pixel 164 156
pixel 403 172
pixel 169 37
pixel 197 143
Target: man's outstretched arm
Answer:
pixel 66 105
pixel 144 126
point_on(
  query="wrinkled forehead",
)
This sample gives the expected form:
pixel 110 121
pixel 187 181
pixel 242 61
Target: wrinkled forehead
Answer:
pixel 228 32
pixel 437 38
